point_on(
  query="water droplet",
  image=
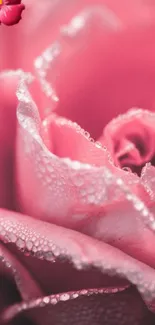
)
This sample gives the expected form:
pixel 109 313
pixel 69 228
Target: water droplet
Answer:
pixel 12 237
pixel 98 144
pixel 20 243
pixel 49 256
pixel 46 300
pixel 87 135
pixel 29 245
pixel 64 297
pixel 34 249
pixel 83 292
pixel 129 197
pixel 75 295
pixel 145 212
pixel 139 205
pixel 34 239
pixel 56 252
pixel 78 264
pixel 36 243
pixel 119 181
pixel 54 301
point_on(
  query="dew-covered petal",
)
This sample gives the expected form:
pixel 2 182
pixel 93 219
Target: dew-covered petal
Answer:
pixel 123 308
pixel 69 71
pixel 61 190
pixel 123 227
pixel 80 249
pixel 66 139
pixel 148 179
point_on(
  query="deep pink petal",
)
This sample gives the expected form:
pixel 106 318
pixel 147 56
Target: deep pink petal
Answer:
pixel 26 285
pixel 11 2
pixel 16 283
pixel 50 243
pixel 8 104
pixel 123 308
pixel 10 15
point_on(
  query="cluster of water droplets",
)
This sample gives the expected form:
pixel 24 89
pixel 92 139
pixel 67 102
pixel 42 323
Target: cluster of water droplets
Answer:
pixel 148 180
pixel 62 177
pixel 28 242
pixel 63 297
pixel 54 176
pixel 34 244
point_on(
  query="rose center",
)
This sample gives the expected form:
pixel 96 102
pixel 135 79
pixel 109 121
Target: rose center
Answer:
pixel 130 140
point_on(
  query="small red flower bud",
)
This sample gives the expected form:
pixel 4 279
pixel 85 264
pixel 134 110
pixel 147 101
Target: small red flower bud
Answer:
pixel 10 11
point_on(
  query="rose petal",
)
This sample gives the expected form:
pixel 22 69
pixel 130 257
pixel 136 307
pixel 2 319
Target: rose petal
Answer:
pixel 130 138
pixel 148 178
pixel 11 14
pixel 56 276
pixel 55 13
pixel 73 44
pixel 66 139
pixel 11 2
pixel 8 104
pixel 91 82
pixel 25 283
pixel 117 224
pixel 61 190
pixel 125 308
pixel 80 249
pixel 50 17
pixel 17 284
pixel 123 227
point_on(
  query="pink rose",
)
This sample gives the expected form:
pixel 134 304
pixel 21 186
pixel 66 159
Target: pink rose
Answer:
pixel 77 215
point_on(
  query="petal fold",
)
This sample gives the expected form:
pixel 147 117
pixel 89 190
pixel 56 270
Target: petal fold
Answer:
pixel 124 308
pixel 51 242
